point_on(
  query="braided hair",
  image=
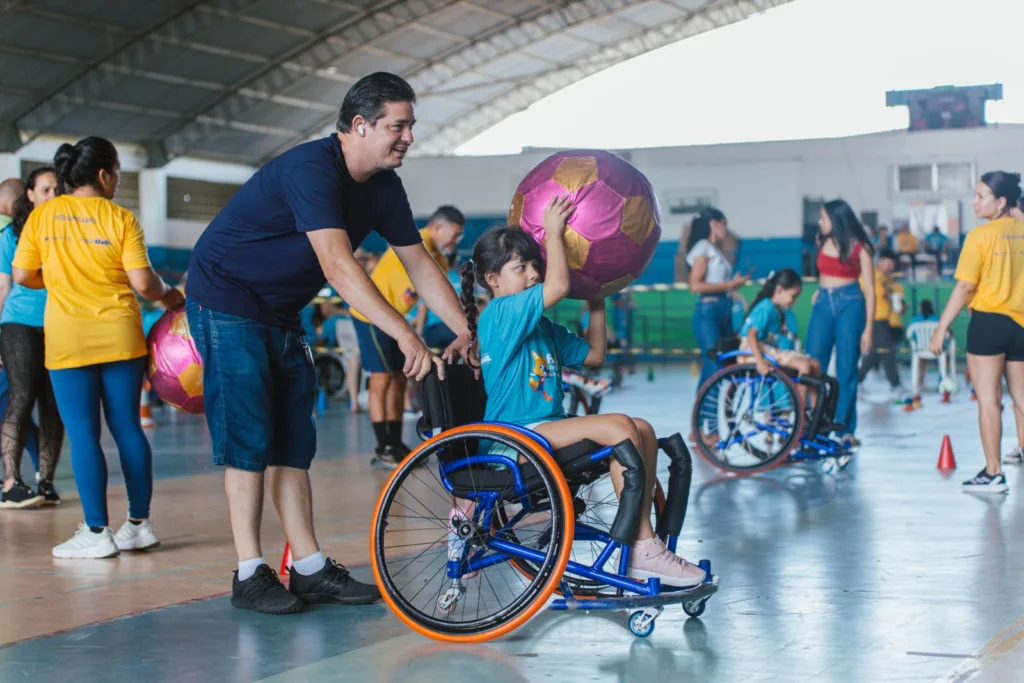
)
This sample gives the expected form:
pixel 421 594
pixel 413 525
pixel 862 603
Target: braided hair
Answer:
pixel 490 254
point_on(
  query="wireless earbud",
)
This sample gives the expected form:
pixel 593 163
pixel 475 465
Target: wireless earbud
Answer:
pixel 362 131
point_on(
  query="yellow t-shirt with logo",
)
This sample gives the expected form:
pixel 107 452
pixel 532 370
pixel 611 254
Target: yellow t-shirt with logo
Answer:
pixel 993 259
pixel 885 287
pixel 85 245
pixel 393 282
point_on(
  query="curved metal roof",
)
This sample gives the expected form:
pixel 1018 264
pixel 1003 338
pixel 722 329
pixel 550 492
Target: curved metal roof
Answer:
pixel 242 80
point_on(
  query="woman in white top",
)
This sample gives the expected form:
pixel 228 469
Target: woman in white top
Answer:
pixel 711 279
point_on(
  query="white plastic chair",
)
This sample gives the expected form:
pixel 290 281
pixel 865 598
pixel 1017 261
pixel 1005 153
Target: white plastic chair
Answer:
pixel 919 334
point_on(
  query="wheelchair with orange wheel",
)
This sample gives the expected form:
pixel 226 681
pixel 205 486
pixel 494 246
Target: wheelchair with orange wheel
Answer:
pixel 483 523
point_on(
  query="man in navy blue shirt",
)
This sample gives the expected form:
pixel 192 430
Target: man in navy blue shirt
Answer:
pixel 290 228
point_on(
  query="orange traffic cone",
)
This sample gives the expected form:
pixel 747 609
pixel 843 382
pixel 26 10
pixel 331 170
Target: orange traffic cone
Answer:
pixel 917 401
pixel 144 410
pixel 286 560
pixel 946 459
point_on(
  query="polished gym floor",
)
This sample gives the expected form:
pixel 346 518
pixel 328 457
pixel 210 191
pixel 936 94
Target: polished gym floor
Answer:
pixel 886 572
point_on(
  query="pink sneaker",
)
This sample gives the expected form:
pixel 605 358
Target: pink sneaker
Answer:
pixel 462 509
pixel 650 559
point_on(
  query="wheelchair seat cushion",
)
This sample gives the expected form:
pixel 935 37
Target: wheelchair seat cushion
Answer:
pixel 574 461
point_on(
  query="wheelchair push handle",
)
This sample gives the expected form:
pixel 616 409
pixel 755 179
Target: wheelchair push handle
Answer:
pixel 627 518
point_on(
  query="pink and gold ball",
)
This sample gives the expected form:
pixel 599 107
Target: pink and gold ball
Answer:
pixel 175 366
pixel 614 230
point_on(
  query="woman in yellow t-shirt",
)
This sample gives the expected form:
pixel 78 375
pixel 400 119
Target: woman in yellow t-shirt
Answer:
pixel 990 280
pixel 92 253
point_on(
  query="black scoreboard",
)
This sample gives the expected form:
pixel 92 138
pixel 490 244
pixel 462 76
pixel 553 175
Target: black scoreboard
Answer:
pixel 945 107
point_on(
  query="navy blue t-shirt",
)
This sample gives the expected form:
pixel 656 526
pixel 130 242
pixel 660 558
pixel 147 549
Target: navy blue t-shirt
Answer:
pixel 254 259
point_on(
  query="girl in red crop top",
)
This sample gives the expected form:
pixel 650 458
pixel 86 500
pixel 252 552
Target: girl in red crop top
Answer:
pixel 832 266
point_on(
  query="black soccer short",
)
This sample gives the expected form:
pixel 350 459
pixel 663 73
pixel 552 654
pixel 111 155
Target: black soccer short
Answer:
pixel 993 334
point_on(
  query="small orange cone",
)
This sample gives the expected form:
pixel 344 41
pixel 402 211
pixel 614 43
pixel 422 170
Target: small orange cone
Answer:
pixel 946 459
pixel 144 411
pixel 917 401
pixel 945 397
pixel 286 560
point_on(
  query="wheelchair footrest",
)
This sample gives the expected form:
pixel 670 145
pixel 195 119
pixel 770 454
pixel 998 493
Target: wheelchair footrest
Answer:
pixel 702 591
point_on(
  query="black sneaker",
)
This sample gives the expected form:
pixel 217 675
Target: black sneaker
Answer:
pixel 984 482
pixel 49 494
pixel 20 496
pixel 384 458
pixel 332 584
pixel 264 592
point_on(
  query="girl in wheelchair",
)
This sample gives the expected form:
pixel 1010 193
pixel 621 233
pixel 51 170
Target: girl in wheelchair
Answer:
pixel 521 356
pixel 764 333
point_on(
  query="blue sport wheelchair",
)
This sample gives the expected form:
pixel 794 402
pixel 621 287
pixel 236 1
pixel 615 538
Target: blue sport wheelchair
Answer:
pixel 483 523
pixel 745 422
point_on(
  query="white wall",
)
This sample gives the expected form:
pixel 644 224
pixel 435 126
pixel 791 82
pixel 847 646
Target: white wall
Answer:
pixel 760 186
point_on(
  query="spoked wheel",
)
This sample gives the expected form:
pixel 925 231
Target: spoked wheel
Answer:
pixel 424 539
pixel 744 422
pixel 596 505
pixel 330 372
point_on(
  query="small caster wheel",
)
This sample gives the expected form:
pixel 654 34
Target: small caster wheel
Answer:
pixel 843 461
pixel 641 623
pixel 449 600
pixel 694 609
pixel 828 465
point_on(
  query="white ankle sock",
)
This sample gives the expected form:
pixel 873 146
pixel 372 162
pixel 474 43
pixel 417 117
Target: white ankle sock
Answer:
pixel 246 568
pixel 308 566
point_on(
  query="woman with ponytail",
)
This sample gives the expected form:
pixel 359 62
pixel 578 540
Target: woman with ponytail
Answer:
pixel 21 348
pixel 712 281
pixel 92 254
pixel 522 353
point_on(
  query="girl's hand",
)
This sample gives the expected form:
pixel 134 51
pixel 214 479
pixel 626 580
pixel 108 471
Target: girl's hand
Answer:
pixel 867 341
pixel 937 340
pixel 763 366
pixel 738 281
pixel 556 215
pixel 596 304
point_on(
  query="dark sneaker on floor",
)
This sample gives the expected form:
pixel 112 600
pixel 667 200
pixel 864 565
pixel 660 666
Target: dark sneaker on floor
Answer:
pixel 384 459
pixel 20 496
pixel 49 494
pixel 987 483
pixel 264 592
pixel 332 584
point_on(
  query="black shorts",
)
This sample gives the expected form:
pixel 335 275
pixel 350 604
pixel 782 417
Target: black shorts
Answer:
pixel 995 334
pixel 379 352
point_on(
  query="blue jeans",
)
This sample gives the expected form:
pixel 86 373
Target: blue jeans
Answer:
pixel 837 320
pixel 259 389
pixel 712 320
pixel 118 387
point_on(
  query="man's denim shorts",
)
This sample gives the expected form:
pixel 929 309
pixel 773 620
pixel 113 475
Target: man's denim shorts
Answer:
pixel 259 387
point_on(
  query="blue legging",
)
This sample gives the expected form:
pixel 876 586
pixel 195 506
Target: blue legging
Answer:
pixel 118 387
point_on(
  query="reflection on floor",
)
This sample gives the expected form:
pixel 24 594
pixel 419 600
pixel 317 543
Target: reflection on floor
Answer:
pixel 884 572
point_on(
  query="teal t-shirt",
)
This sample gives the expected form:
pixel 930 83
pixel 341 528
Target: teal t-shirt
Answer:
pixel 23 305
pixel 522 354
pixel 766 318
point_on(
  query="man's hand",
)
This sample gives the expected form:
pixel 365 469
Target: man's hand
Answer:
pixel 462 347
pixel 418 358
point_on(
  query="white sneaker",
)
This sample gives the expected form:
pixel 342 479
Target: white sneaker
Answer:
pixel 86 545
pixel 136 536
pixel 1014 457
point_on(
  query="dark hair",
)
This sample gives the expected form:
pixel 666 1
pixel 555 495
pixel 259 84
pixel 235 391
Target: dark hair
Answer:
pixel 927 310
pixel 886 253
pixel 787 278
pixel 369 94
pixel 1004 185
pixel 846 229
pixel 448 213
pixel 22 206
pixel 700 229
pixel 78 165
pixel 490 254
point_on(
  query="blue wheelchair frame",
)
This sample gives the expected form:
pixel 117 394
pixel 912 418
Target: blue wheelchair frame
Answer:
pixel 812 446
pixel 647 593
